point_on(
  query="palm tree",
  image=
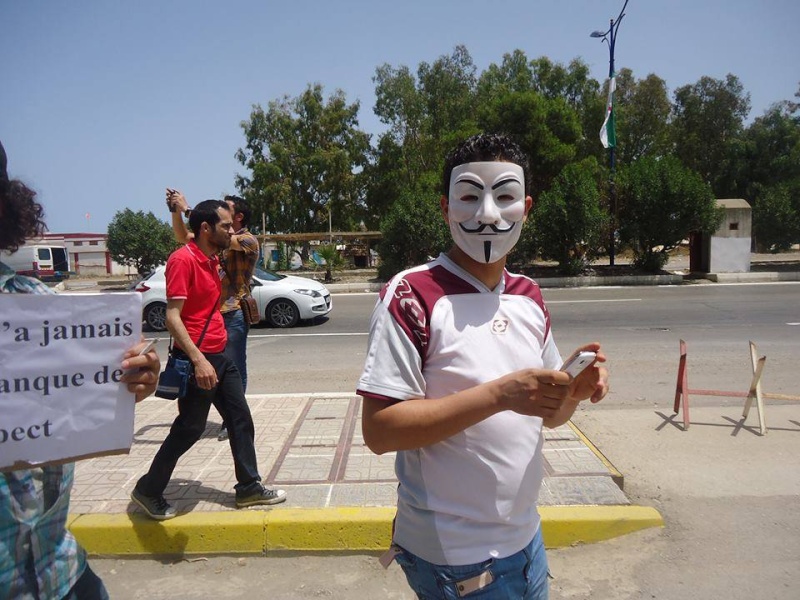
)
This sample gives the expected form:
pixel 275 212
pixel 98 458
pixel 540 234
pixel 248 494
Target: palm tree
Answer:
pixel 333 259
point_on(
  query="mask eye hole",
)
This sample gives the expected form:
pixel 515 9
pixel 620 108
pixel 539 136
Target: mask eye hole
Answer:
pixel 468 198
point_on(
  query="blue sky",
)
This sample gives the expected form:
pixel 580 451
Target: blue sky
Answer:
pixel 103 104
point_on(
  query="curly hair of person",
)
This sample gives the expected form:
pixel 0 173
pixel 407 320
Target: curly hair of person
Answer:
pixel 22 216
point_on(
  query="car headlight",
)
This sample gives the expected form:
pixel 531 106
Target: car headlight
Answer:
pixel 312 293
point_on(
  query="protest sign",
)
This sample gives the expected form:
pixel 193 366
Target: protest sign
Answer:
pixel 60 394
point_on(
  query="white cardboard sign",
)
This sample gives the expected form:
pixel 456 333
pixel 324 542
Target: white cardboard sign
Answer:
pixel 60 395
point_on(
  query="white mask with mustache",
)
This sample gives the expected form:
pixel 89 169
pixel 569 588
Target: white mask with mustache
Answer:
pixel 486 208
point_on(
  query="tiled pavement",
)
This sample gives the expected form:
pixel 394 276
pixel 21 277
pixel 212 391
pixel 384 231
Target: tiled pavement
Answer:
pixel 340 496
pixel 311 446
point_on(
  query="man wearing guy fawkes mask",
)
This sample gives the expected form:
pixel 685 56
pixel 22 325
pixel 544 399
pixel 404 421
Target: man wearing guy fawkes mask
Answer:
pixel 461 374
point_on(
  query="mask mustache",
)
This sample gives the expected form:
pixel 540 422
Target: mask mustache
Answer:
pixel 480 228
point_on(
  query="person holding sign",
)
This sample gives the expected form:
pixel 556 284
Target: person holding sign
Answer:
pixel 194 320
pixel 41 559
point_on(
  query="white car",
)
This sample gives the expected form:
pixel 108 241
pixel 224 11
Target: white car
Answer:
pixel 283 300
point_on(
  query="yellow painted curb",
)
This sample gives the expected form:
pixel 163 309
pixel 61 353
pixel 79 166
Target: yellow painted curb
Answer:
pixel 317 530
pixel 616 476
pixel 240 532
pixel 332 529
pixel 569 525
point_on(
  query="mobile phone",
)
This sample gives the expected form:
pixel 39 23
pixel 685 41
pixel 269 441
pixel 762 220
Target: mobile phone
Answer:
pixel 578 362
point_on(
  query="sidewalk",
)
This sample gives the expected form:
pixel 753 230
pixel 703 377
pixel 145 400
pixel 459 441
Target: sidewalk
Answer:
pixel 763 268
pixel 341 496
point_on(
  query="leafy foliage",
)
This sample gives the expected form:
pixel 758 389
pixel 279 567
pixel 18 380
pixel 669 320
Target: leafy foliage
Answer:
pixel 661 203
pixel 643 110
pixel 140 240
pixel 568 220
pixel 305 156
pixel 708 119
pixel 413 231
pixel 333 259
pixel 776 223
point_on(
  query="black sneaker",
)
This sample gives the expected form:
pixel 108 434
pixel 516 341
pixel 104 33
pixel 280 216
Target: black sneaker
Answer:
pixel 261 497
pixel 156 507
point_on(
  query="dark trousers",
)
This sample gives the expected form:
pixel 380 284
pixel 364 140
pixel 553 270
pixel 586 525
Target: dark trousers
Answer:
pixel 228 398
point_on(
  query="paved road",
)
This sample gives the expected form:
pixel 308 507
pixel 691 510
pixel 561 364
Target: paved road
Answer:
pixel 639 327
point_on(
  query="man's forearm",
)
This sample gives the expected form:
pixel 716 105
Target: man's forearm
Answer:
pixel 421 422
pixel 182 338
pixel 179 228
pixel 563 415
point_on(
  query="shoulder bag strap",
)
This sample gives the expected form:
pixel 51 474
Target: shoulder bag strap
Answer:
pixel 214 307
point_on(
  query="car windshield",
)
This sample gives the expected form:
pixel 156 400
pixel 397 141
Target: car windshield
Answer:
pixel 268 275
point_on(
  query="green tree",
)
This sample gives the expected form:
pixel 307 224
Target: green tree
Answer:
pixel 776 222
pixel 305 157
pixel 768 175
pixel 333 259
pixel 568 222
pixel 643 113
pixel 139 240
pixel 426 114
pixel 413 229
pixel 556 83
pixel 661 203
pixel 708 120
pixel 547 129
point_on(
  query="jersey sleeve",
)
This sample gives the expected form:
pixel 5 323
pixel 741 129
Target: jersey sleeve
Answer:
pixel 551 359
pixel 393 367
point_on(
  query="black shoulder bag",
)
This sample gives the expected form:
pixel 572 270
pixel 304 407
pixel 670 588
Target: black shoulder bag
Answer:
pixel 173 382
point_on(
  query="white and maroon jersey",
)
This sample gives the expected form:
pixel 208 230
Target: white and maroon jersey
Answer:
pixel 437 330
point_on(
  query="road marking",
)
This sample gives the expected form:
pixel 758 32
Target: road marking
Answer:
pixel 282 335
pixel 793 323
pixel 593 301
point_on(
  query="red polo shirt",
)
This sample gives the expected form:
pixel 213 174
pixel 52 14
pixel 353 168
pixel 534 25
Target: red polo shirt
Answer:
pixel 195 278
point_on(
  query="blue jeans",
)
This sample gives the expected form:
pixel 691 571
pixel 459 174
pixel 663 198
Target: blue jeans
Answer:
pixel 521 576
pixel 236 349
pixel 189 425
pixel 88 587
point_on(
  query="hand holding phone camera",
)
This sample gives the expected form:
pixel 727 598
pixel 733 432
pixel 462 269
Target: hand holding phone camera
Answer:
pixel 578 362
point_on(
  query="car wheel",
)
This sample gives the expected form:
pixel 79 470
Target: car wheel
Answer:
pixel 155 315
pixel 282 313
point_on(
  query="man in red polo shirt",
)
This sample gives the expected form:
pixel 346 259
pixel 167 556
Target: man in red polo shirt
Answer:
pixel 193 318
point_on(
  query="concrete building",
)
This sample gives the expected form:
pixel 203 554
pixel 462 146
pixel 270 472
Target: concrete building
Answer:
pixel 88 254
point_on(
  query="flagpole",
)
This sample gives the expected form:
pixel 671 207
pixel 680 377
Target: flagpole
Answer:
pixel 610 37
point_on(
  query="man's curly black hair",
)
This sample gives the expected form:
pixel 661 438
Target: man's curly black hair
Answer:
pixel 485 147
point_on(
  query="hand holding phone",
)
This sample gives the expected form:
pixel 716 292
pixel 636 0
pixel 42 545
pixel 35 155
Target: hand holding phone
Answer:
pixel 578 362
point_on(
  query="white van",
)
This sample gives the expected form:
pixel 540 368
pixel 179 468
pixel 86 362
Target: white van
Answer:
pixel 42 261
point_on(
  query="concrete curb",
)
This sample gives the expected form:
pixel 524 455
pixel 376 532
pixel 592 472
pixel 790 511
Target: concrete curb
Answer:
pixel 615 474
pixel 354 529
pixel 754 277
pixel 618 280
pixel 545 282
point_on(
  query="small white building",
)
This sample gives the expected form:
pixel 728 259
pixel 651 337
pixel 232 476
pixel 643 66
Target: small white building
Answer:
pixel 88 254
pixel 727 250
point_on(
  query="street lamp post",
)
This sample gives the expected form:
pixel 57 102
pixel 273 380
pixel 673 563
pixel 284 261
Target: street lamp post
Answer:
pixel 610 37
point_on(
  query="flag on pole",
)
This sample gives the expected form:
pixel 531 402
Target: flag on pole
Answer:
pixel 608 133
